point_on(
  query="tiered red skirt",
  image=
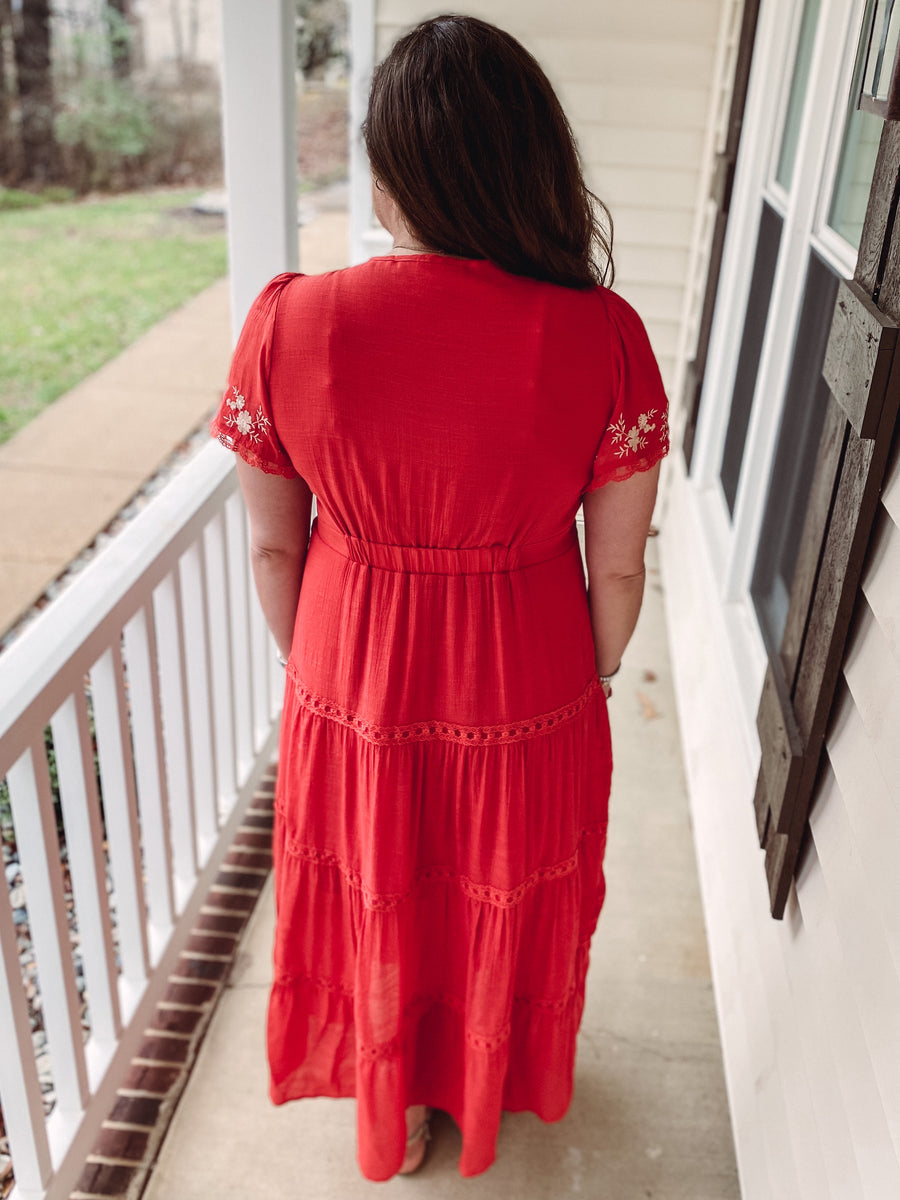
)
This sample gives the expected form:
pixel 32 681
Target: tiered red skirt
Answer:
pixel 438 876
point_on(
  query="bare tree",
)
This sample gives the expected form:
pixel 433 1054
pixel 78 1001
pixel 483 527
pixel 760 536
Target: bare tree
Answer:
pixel 193 29
pixel 7 139
pixel 177 32
pixel 31 39
pixel 119 30
pixel 321 33
pixel 185 32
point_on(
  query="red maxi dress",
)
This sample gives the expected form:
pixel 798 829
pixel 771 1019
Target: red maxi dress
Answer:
pixel 445 761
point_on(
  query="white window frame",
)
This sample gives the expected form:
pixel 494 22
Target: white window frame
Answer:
pixel 731 544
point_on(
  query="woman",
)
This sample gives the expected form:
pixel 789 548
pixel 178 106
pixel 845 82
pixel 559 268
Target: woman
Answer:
pixel 445 758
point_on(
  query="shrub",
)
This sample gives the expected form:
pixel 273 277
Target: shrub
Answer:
pixel 104 129
pixel 12 199
pixel 117 134
pixel 57 194
pixel 187 125
pixel 321 33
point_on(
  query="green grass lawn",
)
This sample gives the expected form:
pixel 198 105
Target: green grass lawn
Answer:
pixel 82 280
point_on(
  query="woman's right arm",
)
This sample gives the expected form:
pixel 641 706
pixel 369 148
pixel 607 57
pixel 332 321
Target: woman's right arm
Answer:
pixel 616 526
pixel 279 511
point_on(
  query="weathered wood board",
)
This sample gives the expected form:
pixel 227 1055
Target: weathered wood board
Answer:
pixel 858 357
pixel 862 371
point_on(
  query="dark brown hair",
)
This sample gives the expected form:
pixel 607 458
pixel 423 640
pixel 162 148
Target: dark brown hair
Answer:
pixel 466 134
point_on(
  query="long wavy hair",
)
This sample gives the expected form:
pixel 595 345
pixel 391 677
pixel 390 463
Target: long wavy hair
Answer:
pixel 465 132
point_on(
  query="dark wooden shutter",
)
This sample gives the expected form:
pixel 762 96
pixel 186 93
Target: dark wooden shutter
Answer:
pixel 862 371
pixel 722 185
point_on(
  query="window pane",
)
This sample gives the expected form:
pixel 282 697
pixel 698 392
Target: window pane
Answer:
pixel 767 243
pixel 802 418
pixel 788 155
pixel 882 49
pixel 856 165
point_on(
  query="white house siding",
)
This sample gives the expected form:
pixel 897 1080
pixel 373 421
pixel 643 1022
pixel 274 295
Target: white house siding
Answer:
pixel 636 81
pixel 809 1007
pixel 716 139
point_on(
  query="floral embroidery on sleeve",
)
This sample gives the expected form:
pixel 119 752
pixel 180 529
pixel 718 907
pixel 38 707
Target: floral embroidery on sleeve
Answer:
pixel 239 418
pixel 627 441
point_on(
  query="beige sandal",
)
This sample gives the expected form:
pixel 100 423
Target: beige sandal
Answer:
pixel 420 1135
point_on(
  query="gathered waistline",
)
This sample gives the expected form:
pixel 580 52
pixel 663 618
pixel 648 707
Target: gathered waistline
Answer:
pixel 442 560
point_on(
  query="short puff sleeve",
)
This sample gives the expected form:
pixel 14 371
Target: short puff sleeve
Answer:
pixel 244 422
pixel 637 435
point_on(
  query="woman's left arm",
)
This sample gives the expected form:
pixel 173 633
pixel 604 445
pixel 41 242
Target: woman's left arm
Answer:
pixel 279 535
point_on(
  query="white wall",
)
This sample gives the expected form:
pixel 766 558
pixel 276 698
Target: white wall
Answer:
pixel 809 1007
pixel 636 81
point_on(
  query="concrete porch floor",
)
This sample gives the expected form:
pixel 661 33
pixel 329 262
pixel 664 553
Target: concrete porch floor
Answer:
pixel 650 1113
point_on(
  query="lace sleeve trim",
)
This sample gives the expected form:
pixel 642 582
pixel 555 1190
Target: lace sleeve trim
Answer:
pixel 618 474
pixel 637 448
pixel 249 455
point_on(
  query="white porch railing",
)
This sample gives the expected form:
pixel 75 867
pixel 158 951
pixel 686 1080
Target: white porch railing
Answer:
pixel 158 660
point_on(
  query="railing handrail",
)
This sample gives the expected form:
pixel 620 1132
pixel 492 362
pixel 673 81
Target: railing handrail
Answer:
pixel 155 675
pixel 68 635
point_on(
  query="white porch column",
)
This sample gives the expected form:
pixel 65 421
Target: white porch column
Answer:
pixel 259 126
pixel 366 236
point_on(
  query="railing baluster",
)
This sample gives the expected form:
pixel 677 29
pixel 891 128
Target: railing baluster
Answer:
pixel 199 692
pixel 87 863
pixel 276 677
pixel 217 607
pixel 240 632
pixel 20 1090
pixel 259 646
pixel 260 652
pixel 184 747
pixel 38 848
pixel 268 675
pixel 120 811
pixel 173 690
pixel 150 772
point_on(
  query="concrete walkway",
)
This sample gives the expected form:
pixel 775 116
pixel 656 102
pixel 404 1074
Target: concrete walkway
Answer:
pixel 69 472
pixel 650 1115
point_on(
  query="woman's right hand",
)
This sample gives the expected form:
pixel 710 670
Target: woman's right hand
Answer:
pixel 616 525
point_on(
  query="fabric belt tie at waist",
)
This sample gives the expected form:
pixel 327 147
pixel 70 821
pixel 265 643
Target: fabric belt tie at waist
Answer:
pixel 442 560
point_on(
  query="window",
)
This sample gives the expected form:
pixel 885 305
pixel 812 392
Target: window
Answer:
pixel 796 212
pixel 802 418
pixel 859 146
pixel 768 244
pixel 758 303
pixel 797 99
pixel 806 394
